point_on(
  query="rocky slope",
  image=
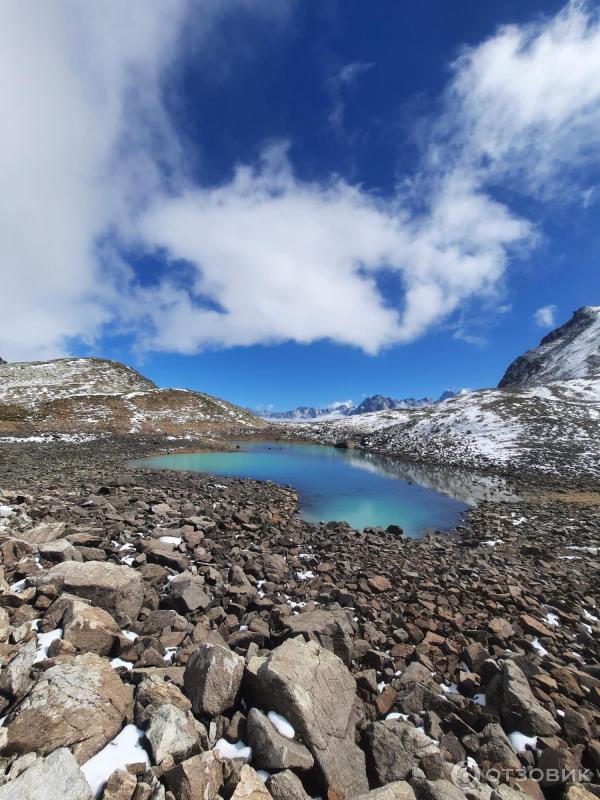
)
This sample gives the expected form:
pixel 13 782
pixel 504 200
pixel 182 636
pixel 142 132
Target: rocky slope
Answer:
pixel 78 396
pixel 571 351
pixel 169 637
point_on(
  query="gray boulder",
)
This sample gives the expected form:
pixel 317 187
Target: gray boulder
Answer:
pixel 313 689
pixel 331 629
pixel 395 748
pixel 250 786
pixel 15 677
pixel 520 710
pixel 188 593
pixel 271 750
pixel 398 790
pixel 51 778
pixel 116 588
pixel 286 785
pixel 198 777
pixel 171 733
pixel 212 678
pixel 79 703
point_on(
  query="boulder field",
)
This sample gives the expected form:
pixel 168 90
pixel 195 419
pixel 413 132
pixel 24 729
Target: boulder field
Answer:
pixel 166 636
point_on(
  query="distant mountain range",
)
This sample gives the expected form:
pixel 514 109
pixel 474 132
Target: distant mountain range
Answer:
pixel 376 402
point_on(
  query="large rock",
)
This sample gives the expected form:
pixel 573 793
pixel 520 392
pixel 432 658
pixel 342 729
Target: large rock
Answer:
pixel 520 710
pixel 286 785
pixel 198 777
pixel 250 786
pixel 44 532
pixel 313 689
pixel 271 750
pixel 79 703
pixel 15 678
pixel 398 790
pixel 331 629
pixel 496 750
pixel 89 629
pixel 212 678
pixel 188 593
pixel 116 588
pixel 395 748
pixel 56 777
pixel 171 733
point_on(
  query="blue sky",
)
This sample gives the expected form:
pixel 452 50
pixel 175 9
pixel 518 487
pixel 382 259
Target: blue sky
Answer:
pixel 287 203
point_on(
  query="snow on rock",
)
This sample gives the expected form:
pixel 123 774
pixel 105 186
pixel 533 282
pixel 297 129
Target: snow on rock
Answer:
pixel 171 539
pixel 118 662
pixel 284 727
pixel 44 641
pixel 124 749
pixel 235 750
pixel 520 742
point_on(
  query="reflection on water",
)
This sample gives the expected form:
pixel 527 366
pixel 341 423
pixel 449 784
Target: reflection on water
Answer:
pixel 361 488
pixel 469 487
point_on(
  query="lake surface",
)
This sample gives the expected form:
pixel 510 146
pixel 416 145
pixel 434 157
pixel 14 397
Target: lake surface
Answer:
pixel 361 488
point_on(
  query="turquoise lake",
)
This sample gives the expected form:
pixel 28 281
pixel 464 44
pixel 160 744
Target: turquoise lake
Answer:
pixel 334 484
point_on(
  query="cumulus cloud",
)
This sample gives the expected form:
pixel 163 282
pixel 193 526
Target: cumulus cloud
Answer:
pixel 89 160
pixel 545 317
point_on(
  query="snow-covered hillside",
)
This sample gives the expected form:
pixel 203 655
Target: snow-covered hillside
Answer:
pixel 571 351
pixel 552 429
pixel 29 383
pixel 92 396
pixel 545 418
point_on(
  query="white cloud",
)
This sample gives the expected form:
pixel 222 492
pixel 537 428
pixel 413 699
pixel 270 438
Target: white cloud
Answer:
pixel 268 256
pixel 545 317
pixel 525 104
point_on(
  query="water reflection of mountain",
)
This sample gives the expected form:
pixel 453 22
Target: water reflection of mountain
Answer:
pixel 466 486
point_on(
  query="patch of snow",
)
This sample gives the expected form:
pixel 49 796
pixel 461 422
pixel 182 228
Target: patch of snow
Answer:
pixel 44 641
pixel 169 654
pixel 125 748
pixel 552 619
pixel 520 742
pixel 480 699
pixel 263 775
pixel 6 511
pixel 128 560
pixel 171 539
pixel 118 662
pixel 397 715
pixel 589 617
pixel 235 750
pixel 493 542
pixel 130 635
pixel 284 727
pixel 451 688
pixel 307 575
pixel 537 645
pixel 18 586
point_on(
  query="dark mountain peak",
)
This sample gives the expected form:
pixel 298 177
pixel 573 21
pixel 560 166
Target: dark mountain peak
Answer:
pixel 570 351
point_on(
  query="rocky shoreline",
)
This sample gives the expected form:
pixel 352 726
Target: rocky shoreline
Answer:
pixel 225 647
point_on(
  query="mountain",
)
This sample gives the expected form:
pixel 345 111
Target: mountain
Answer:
pixel 544 419
pixel 93 395
pixel 571 351
pixel 376 402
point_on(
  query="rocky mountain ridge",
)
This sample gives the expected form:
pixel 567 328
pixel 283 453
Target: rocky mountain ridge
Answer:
pixel 536 421
pixel 568 352
pixel 94 396
pixel 375 402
